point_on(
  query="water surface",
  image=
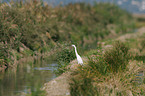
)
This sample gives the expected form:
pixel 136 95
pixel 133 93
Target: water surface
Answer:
pixel 28 77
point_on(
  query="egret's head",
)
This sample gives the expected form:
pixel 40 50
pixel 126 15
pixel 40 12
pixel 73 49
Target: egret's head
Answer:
pixel 73 45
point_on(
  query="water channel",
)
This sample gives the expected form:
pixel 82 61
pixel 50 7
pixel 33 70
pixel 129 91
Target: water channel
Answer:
pixel 29 77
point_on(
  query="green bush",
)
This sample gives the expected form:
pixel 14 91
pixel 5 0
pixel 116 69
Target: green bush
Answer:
pixel 63 57
pixel 66 55
pixel 117 58
pixel 113 60
pixel 82 87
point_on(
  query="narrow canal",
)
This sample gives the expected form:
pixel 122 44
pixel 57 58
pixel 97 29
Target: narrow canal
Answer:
pixel 28 77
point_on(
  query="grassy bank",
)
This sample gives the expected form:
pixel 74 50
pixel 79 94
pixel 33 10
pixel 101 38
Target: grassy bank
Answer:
pixel 116 69
pixel 34 27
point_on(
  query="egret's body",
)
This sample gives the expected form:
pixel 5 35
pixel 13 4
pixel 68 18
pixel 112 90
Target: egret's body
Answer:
pixel 79 59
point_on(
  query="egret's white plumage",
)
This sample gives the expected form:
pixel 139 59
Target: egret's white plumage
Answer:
pixel 79 59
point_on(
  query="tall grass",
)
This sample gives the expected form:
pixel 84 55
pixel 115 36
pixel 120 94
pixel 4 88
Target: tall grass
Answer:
pixel 109 72
pixel 111 60
pixel 36 26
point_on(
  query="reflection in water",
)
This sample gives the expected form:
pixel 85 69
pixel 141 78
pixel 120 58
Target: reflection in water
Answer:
pixel 28 77
pixel 51 67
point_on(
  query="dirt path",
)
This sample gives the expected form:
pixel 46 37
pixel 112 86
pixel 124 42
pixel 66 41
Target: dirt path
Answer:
pixel 60 85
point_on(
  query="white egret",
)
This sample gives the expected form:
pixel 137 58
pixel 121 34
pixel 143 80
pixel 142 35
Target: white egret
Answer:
pixel 79 59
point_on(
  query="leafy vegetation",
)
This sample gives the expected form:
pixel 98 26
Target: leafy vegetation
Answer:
pixel 63 58
pixel 38 27
pixel 37 92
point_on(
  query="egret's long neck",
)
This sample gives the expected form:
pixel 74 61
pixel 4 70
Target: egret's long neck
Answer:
pixel 76 51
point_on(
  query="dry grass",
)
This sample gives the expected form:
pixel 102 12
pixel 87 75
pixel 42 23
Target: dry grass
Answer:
pixel 115 76
pixel 123 83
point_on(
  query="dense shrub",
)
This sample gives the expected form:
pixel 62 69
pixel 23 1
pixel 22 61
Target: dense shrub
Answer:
pixel 112 60
pixel 82 87
pixel 63 57
pixel 117 58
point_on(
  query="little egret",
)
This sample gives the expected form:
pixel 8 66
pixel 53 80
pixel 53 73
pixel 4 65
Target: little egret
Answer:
pixel 79 59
